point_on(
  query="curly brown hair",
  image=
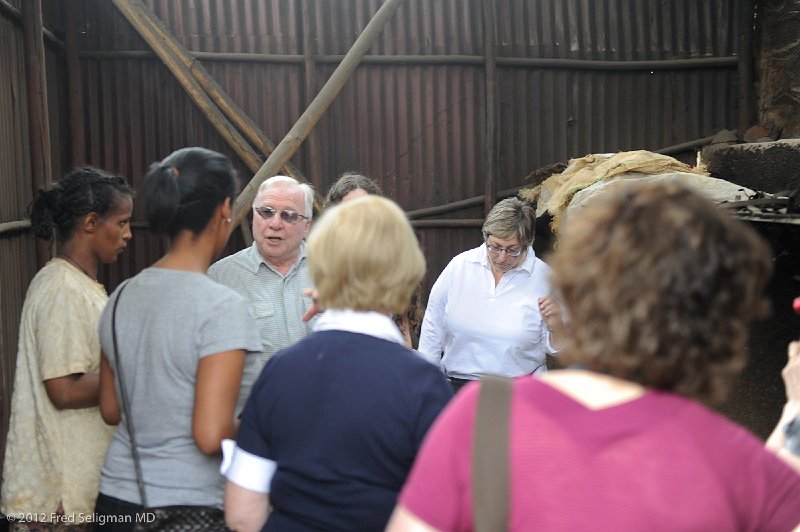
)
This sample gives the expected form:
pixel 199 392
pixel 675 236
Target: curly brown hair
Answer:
pixel 660 286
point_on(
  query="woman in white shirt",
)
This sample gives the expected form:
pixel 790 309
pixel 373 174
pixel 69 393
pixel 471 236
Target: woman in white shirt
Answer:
pixel 490 311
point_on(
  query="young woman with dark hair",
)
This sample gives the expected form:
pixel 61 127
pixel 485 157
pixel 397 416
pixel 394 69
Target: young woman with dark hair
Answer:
pixel 56 438
pixel 182 342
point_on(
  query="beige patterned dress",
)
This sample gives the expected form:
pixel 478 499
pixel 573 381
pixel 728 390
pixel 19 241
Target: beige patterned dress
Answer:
pixel 53 457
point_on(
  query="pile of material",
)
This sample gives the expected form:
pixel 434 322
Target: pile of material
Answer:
pixel 585 177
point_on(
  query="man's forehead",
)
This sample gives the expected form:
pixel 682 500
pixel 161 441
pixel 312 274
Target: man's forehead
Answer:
pixel 284 192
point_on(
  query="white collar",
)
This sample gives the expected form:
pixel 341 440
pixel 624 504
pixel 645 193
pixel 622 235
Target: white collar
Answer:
pixel 370 323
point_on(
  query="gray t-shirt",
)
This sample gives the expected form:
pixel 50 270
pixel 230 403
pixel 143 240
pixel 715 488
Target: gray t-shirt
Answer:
pixel 167 320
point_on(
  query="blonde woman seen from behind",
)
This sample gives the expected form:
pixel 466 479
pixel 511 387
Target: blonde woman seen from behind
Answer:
pixel 334 422
pixel 352 185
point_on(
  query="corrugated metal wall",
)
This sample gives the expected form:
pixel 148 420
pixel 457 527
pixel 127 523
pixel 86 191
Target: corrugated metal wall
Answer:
pixel 17 251
pixel 419 128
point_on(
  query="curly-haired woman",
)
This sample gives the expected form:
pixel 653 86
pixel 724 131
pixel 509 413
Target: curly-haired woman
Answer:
pixel 56 438
pixel 659 286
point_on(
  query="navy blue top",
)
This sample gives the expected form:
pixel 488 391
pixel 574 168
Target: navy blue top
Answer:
pixel 343 415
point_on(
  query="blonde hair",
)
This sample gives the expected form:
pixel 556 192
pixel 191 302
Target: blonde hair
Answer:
pixel 363 255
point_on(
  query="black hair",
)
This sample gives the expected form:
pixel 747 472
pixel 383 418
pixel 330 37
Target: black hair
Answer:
pixel 348 182
pixel 78 193
pixel 182 191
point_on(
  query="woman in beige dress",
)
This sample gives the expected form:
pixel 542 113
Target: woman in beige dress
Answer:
pixel 56 438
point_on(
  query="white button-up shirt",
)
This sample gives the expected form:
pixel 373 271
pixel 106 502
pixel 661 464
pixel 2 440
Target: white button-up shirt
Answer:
pixel 472 327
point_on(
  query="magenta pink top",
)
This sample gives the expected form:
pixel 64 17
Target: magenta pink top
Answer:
pixel 660 462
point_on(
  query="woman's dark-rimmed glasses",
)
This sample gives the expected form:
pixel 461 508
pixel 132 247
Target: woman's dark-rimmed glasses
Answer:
pixel 510 252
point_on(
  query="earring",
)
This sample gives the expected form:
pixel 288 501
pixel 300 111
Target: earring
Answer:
pixel 228 220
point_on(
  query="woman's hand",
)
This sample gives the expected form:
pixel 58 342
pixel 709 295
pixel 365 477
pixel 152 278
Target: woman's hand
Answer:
pixel 791 380
pixel 551 315
pixel 791 374
pixel 551 312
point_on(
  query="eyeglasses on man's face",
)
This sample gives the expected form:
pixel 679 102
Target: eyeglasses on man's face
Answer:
pixel 289 217
pixel 511 252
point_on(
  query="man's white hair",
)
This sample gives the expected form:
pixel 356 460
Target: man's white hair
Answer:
pixel 308 192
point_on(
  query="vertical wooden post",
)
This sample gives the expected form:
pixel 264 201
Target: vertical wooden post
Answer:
pixel 490 70
pixel 74 87
pixel 311 89
pixel 38 125
pixel 746 17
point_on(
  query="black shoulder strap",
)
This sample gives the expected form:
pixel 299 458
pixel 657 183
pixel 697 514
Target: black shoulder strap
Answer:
pixel 490 453
pixel 126 408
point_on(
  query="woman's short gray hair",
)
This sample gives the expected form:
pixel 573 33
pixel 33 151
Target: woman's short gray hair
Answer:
pixel 511 218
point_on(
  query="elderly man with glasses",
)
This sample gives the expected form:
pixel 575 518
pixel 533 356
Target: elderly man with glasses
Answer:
pixel 272 274
pixel 490 311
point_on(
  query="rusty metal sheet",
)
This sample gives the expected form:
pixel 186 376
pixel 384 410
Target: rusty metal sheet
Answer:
pixel 417 129
pixel 17 255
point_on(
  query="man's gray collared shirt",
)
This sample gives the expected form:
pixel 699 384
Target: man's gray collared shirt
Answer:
pixel 276 301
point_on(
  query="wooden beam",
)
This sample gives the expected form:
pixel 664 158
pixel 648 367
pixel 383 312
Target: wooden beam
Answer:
pixel 133 11
pixel 685 146
pixel 490 71
pixel 16 14
pixel 224 102
pixel 309 68
pixel 20 225
pixel 449 224
pixel 727 62
pixel 288 146
pixel 746 16
pixel 616 66
pixel 74 86
pixel 466 203
pixel 38 122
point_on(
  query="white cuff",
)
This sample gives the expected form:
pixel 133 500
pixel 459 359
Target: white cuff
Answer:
pixel 549 345
pixel 247 470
